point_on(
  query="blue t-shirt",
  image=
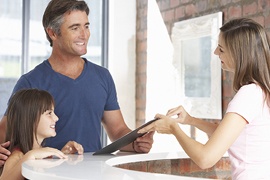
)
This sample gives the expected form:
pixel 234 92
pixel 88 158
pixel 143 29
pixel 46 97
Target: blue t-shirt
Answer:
pixel 79 103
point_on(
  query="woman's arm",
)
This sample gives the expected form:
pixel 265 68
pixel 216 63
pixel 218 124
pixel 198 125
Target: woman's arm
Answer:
pixel 184 118
pixel 203 125
pixel 204 155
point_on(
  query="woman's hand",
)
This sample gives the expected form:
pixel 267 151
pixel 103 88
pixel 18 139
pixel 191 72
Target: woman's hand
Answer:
pixel 164 125
pixel 168 124
pixel 72 147
pixel 182 116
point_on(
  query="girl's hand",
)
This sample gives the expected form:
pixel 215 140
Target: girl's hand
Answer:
pixel 41 153
pixel 72 147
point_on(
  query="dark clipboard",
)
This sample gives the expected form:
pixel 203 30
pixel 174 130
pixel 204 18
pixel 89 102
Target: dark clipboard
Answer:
pixel 123 141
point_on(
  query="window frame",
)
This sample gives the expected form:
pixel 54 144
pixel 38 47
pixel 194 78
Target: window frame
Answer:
pixel 25 43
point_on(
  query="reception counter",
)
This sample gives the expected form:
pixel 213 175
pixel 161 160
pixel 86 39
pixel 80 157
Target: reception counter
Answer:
pixel 107 167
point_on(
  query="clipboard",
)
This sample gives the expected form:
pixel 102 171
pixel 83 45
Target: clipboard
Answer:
pixel 123 141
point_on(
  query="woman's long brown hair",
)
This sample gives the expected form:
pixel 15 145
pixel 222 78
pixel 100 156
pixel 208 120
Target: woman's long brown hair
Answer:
pixel 248 46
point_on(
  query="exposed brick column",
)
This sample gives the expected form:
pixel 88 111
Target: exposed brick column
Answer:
pixel 141 60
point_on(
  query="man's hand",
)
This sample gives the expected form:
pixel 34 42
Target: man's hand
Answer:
pixel 144 144
pixel 4 153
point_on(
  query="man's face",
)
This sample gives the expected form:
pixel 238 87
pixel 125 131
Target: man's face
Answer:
pixel 75 33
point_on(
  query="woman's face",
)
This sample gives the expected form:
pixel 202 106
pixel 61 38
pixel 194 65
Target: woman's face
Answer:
pixel 222 52
pixel 46 125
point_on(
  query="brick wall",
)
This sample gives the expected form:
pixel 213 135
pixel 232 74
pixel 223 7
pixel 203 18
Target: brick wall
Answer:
pixel 177 10
pixel 141 61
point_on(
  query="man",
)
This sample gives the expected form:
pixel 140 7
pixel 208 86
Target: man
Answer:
pixel 84 93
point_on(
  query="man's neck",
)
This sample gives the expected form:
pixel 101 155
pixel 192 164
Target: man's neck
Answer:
pixel 72 67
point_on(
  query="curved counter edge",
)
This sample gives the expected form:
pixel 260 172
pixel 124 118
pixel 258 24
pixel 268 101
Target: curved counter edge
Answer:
pixel 99 167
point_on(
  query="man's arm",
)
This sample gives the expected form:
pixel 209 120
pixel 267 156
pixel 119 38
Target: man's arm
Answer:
pixel 3 125
pixel 116 127
pixel 4 153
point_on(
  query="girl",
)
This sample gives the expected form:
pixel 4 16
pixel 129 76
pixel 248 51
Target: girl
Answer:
pixel 31 119
pixel 243 49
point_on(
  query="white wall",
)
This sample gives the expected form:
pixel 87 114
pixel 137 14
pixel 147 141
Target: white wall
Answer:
pixel 161 84
pixel 122 31
pixel 161 88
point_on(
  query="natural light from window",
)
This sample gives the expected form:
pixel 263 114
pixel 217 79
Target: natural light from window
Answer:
pixel 162 80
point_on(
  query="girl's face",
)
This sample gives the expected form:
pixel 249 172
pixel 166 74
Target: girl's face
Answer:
pixel 222 52
pixel 46 125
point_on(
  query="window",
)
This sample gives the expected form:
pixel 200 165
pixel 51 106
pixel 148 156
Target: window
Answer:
pixel 24 45
pixel 10 51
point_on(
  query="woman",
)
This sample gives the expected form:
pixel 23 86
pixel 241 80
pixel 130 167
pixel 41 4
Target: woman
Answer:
pixel 243 49
pixel 31 119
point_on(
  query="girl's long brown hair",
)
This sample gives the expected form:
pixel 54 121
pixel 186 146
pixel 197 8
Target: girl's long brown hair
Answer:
pixel 23 115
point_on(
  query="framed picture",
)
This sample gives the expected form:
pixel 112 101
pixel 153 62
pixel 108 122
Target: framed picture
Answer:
pixel 199 69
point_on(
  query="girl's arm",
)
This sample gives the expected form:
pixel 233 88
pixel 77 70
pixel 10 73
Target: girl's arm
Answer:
pixel 12 167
